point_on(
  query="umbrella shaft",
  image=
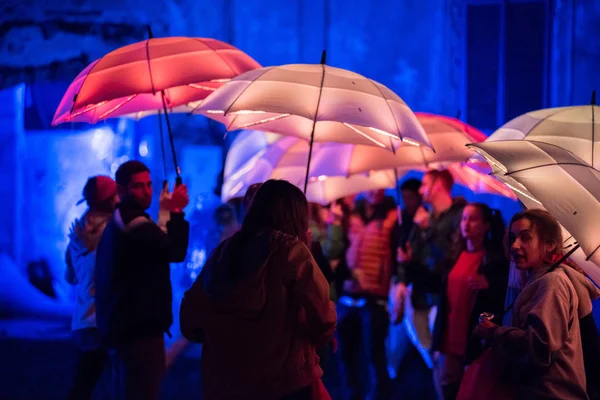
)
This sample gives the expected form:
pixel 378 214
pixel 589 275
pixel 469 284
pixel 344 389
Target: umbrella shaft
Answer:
pixel 177 171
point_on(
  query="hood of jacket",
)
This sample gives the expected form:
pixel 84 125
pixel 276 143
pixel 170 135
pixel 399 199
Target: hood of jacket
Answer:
pixel 586 291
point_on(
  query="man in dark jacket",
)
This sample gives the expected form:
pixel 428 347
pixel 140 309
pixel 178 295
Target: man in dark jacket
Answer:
pixel 426 259
pixel 133 285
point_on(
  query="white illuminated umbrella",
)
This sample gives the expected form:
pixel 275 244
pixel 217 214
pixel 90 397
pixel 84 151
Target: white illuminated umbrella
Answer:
pixel 317 103
pixel 550 177
pixel 575 128
pixel 334 170
pixel 449 136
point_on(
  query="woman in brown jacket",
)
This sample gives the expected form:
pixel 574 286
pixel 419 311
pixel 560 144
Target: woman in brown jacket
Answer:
pixel 261 305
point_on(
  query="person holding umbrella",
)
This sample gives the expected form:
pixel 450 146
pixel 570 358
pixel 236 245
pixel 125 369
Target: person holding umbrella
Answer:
pixel 133 285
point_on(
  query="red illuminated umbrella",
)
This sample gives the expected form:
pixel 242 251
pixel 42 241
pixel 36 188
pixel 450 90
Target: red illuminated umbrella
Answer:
pixel 151 75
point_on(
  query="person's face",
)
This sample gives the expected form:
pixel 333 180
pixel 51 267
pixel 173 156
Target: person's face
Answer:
pixel 411 200
pixel 526 249
pixel 349 201
pixel 472 225
pixel 375 197
pixel 140 189
pixel 427 188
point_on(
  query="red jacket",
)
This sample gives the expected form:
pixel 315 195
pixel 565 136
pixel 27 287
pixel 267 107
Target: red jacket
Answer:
pixel 261 307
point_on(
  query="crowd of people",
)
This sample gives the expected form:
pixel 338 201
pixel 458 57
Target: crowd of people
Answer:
pixel 296 286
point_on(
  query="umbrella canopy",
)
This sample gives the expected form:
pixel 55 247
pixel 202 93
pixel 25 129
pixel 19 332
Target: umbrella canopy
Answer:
pixel 572 128
pixel 315 102
pixel 130 80
pixel 557 179
pixel 448 135
pixel 282 157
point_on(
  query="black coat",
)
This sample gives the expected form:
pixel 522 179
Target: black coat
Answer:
pixel 133 282
pixel 495 268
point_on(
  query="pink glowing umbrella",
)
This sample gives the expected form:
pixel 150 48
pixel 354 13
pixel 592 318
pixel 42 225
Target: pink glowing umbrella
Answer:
pixel 152 75
pixel 134 78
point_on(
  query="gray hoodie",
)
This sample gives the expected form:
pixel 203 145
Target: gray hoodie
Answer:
pixel 542 348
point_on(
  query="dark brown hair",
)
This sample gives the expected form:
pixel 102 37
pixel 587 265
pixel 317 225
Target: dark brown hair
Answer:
pixel 277 205
pixel 444 176
pixel 250 192
pixel 127 170
pixel 493 241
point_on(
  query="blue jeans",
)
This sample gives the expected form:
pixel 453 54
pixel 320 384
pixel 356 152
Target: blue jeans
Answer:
pixel 364 327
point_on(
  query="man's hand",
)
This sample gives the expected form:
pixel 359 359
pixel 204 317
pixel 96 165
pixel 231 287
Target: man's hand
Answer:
pixel 165 198
pixel 179 199
pixel 404 256
pixel 485 329
pixel 397 294
pixel 422 218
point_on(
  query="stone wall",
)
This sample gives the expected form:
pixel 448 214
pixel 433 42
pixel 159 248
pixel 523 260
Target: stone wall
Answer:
pixel 407 45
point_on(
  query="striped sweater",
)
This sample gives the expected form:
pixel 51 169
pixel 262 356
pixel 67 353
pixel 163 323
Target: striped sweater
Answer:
pixel 370 257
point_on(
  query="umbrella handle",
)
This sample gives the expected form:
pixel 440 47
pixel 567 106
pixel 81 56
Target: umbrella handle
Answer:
pixel 178 181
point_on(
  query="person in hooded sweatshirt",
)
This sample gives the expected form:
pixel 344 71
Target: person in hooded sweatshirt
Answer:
pixel 100 193
pixel 542 350
pixel 261 305
pixel 133 283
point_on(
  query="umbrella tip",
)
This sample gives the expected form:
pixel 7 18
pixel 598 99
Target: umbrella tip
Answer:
pixel 593 100
pixel 324 57
pixel 149 28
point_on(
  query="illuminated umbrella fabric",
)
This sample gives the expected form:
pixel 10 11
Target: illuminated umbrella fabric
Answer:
pixel 317 103
pixel 344 106
pixel 557 179
pixel 272 156
pixel 325 188
pixel 130 79
pixel 449 136
pixel 574 128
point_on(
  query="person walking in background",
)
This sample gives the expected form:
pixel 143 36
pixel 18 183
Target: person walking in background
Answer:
pixel 133 285
pixel 425 260
pixel 100 194
pixel 362 307
pixel 261 305
pixel 398 340
pixel 477 283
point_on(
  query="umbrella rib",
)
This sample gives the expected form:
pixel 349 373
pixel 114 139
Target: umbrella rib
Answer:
pixel 220 56
pixel 548 116
pixel 592 253
pixel 83 83
pixel 546 165
pixel 389 108
pixel 246 88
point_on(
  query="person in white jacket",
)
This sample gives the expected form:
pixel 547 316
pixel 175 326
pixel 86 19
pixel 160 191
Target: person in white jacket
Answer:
pixel 100 193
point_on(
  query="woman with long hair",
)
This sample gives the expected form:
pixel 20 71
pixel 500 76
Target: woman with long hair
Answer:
pixel 261 305
pixel 476 283
pixel 541 352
